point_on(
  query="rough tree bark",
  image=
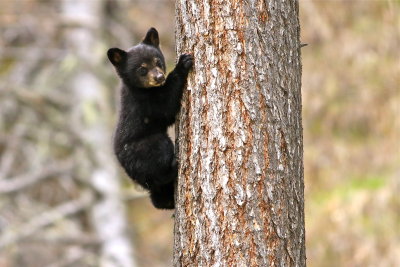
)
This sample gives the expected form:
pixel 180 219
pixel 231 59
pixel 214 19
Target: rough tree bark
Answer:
pixel 240 196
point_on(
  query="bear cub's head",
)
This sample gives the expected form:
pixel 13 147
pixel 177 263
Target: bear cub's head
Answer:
pixel 143 65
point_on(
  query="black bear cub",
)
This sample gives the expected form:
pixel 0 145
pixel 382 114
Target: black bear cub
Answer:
pixel 149 104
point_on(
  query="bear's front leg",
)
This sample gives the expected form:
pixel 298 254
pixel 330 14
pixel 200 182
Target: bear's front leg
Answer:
pixel 174 85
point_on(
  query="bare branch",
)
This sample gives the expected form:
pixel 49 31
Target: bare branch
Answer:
pixel 13 234
pixel 134 195
pixel 20 182
pixel 10 150
pixel 72 255
pixel 81 240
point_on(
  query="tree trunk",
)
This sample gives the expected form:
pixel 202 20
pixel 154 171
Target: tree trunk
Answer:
pixel 240 194
pixel 108 213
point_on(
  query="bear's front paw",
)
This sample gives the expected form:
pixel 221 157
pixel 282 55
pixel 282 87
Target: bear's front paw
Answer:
pixel 185 62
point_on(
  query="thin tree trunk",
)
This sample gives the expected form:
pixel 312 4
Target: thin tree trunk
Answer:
pixel 108 212
pixel 240 196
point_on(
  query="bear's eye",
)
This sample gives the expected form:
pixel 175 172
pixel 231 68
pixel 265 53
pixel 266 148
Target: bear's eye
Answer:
pixel 142 71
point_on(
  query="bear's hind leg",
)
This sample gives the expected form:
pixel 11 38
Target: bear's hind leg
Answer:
pixel 163 197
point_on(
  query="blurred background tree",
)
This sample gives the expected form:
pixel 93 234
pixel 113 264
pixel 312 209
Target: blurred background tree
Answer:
pixel 58 100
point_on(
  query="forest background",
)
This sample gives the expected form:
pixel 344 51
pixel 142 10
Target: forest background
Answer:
pixel 58 104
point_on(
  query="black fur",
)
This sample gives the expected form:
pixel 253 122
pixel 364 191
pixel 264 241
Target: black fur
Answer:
pixel 149 104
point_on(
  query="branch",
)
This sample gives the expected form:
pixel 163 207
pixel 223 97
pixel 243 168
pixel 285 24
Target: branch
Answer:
pixel 22 181
pixel 47 218
pixel 80 240
pixel 10 150
pixel 71 257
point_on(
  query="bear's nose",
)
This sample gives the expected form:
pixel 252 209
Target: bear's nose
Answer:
pixel 160 78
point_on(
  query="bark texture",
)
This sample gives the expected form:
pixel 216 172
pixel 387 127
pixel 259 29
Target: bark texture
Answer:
pixel 240 196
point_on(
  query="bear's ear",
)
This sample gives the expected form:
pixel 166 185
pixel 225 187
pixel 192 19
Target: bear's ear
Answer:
pixel 116 56
pixel 151 38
